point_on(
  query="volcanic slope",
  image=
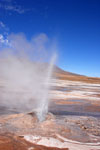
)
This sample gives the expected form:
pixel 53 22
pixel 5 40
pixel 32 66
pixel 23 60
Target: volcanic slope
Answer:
pixel 65 75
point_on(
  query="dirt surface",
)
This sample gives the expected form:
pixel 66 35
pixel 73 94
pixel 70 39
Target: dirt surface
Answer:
pixel 64 75
pixel 12 142
pixel 73 122
pixel 21 131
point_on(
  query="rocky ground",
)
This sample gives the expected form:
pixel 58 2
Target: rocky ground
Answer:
pixel 21 131
pixel 73 122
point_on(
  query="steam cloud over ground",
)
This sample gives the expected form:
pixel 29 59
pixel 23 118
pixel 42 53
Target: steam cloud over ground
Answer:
pixel 24 72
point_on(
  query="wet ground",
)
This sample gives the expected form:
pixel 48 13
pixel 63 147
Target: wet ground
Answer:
pixel 75 98
pixel 75 108
pixel 67 98
pixel 71 107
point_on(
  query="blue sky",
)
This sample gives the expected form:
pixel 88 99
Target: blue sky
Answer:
pixel 75 24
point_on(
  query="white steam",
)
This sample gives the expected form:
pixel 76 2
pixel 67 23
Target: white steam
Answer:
pixel 24 77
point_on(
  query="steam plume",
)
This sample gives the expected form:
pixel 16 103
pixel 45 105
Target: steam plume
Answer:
pixel 25 76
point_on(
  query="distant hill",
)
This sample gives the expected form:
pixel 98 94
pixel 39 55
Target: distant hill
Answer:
pixel 60 73
pixel 65 75
pixel 59 70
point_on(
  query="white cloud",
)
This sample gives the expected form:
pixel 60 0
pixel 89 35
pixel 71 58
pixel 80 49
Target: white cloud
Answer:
pixel 16 8
pixel 3 41
pixel 4 29
pixel 13 7
pixel 2 25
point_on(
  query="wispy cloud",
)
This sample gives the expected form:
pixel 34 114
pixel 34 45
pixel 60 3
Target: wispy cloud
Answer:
pixel 9 6
pixel 3 40
pixel 2 25
pixel 6 1
pixel 16 8
pixel 3 28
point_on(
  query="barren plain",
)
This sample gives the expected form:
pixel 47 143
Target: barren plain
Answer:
pixel 72 123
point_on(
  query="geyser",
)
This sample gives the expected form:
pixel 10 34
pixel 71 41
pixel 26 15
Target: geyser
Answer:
pixel 43 106
pixel 25 75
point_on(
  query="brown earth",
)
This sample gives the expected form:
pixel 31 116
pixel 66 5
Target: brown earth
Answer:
pixel 64 75
pixel 12 142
